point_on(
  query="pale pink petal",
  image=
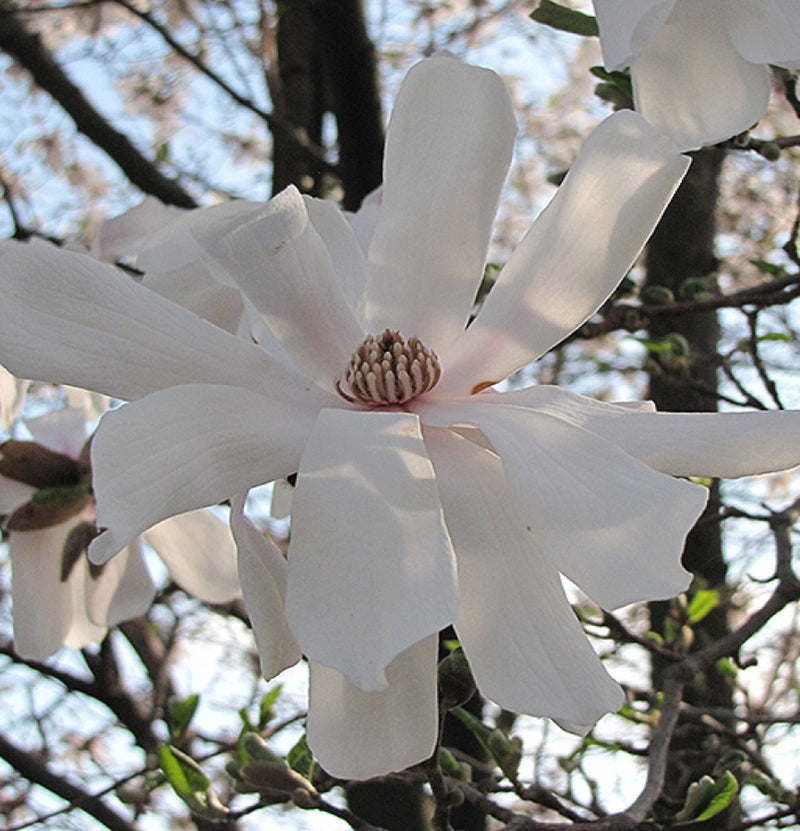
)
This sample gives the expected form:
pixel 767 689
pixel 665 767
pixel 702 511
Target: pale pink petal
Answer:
pixel 358 735
pixel 66 318
pixel 188 447
pixel 692 84
pixel 574 254
pixel 371 568
pixel 123 591
pixel 262 571
pixel 448 149
pixel 63 431
pixel 627 26
pixel 283 266
pixel 199 551
pixel 13 494
pixel 526 649
pixel 605 520
pixel 766 31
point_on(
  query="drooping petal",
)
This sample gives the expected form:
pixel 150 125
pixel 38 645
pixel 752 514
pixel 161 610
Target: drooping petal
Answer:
pixel 608 522
pixel 574 254
pixel 371 568
pixel 199 551
pixel 262 572
pixel 627 26
pixel 692 84
pixel 766 31
pixel 448 149
pixel 281 263
pixel 187 447
pixel 523 641
pixel 124 589
pixel 682 444
pixel 82 630
pixel 358 735
pixel 67 318
pixel 42 604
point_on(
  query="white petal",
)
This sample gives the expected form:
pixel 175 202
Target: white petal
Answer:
pixel 83 630
pixel 200 554
pixel 683 444
pixel 574 254
pixel 184 448
pixel 13 494
pixel 371 569
pixel 124 590
pixel 122 237
pixel 359 735
pixel 692 84
pixel 262 571
pixel 766 31
pixel 448 149
pixel 63 431
pixel 627 26
pixel 66 318
pixel 12 397
pixel 605 520
pixel 526 649
pixel 282 265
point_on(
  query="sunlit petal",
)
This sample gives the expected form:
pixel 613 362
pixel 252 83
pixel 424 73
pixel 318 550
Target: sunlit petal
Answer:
pixel 627 26
pixel 123 590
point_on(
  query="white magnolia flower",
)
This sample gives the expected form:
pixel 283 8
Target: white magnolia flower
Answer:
pixel 59 598
pixel 699 67
pixel 423 497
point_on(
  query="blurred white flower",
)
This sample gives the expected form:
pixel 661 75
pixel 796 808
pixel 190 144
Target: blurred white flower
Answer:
pixel 699 67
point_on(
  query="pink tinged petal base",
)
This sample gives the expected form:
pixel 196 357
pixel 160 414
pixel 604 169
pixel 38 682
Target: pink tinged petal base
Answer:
pixel 358 735
pixel 124 589
pixel 692 84
pixel 371 568
pixel 611 524
pixel 199 552
pixel 184 448
pixel 448 149
pixel 262 572
pixel 526 648
pixel 574 254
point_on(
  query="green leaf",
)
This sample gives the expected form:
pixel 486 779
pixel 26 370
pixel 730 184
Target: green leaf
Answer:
pixel 180 714
pixel 190 783
pixel 481 731
pixel 705 601
pixel 766 267
pixel 265 710
pixel 300 759
pixel 564 19
pixel 726 787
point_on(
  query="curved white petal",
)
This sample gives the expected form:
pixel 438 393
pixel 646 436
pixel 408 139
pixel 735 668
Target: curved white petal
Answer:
pixel 371 568
pixel 526 648
pixel 627 26
pixel 448 149
pixel 42 604
pixel 574 254
pixel 124 590
pixel 682 444
pixel 281 263
pixel 187 447
pixel 605 520
pixel 67 318
pixel 766 31
pixel 122 237
pixel 692 84
pixel 200 554
pixel 262 572
pixel 82 630
pixel 358 735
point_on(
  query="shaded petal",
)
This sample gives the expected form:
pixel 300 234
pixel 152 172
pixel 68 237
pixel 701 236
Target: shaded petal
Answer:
pixel 526 648
pixel 627 26
pixel 63 431
pixel 187 447
pixel 683 444
pixel 66 318
pixel 122 237
pixel 199 551
pixel 574 254
pixel 13 494
pixel 262 571
pixel 448 149
pixel 358 735
pixel 83 630
pixel 692 84
pixel 766 31
pixel 371 568
pixel 124 590
pixel 608 522
pixel 282 265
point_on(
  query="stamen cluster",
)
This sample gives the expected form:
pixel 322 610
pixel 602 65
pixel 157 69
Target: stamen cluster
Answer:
pixel 389 370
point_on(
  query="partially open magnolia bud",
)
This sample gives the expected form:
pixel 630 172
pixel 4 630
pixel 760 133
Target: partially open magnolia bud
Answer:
pixel 456 684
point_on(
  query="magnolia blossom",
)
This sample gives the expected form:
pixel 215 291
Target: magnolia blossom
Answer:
pixel 699 67
pixel 423 496
pixel 59 598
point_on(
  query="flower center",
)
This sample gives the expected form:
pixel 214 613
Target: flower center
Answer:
pixel 389 370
